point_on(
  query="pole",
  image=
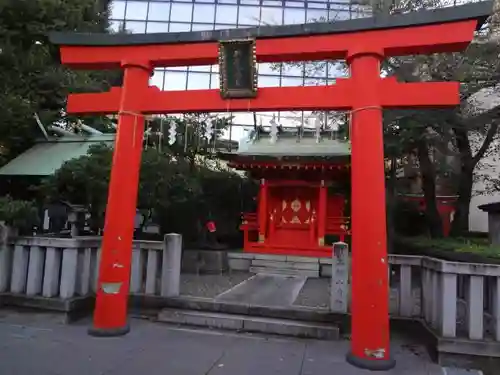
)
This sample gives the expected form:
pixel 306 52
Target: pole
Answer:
pixel 370 290
pixel 263 210
pixel 110 314
pixel 322 213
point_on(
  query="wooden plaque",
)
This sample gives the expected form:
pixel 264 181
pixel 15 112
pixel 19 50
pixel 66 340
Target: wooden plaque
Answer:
pixel 238 69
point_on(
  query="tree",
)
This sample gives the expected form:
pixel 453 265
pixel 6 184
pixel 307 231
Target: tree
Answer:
pixel 450 131
pixel 174 192
pixel 31 77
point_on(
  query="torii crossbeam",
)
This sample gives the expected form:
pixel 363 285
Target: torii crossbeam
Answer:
pixel 363 43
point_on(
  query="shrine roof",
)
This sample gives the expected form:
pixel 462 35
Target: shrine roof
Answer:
pixel 290 146
pixel 478 11
pixel 47 156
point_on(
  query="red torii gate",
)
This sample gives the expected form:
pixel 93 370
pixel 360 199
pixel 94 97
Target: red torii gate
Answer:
pixel 362 42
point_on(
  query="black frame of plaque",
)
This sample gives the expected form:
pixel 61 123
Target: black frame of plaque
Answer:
pixel 238 93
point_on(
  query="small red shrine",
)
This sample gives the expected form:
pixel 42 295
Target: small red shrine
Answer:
pixel 301 198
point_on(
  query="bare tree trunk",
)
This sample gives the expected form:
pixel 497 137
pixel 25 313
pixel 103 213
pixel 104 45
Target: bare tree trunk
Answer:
pixel 468 161
pixel 428 173
pixel 460 224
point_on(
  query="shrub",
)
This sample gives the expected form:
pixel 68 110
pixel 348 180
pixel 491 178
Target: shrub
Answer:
pixel 19 214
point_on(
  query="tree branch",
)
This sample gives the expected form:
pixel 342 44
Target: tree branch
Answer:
pixel 490 136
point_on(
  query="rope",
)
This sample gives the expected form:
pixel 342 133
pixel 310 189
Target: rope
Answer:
pixel 359 110
pixel 136 115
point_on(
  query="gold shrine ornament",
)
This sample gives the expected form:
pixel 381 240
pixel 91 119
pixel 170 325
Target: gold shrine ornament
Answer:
pixel 296 205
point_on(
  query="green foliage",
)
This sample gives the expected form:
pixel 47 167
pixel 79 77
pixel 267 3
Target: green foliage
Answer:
pixel 31 77
pixel 479 246
pixel 172 193
pixel 408 220
pixel 83 181
pixel 19 214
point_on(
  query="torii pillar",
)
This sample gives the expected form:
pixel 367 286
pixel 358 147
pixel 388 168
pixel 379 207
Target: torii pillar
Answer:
pixel 110 314
pixel 370 294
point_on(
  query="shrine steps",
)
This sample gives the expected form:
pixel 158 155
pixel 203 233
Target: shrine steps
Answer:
pixel 282 265
pixel 250 324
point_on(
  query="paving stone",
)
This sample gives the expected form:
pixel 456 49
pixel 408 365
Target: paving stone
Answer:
pixel 265 290
pixel 45 347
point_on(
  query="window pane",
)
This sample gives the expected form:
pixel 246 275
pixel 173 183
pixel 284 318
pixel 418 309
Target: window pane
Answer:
pixel 226 14
pixel 315 81
pixel 223 27
pixel 175 80
pixel 296 69
pixel 157 79
pixel 198 81
pixel 340 15
pixel 268 68
pixel 200 68
pixel 159 11
pixel 289 81
pixel 316 15
pixel 296 4
pixel 136 10
pixel 117 9
pixel 202 27
pixel 267 81
pixel 337 69
pixel 135 27
pixel 271 16
pixel 204 13
pixel 116 26
pixel 249 15
pixel 178 27
pixel 181 12
pixel 179 68
pixel 315 69
pixel 215 82
pixel 157 27
pixel 317 5
pixel 272 2
pixel 295 16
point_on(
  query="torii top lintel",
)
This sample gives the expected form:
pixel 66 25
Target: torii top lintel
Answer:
pixel 304 42
pixel 423 32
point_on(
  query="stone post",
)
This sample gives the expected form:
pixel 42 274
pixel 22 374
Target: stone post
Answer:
pixel 5 258
pixel 493 210
pixel 340 275
pixel 171 266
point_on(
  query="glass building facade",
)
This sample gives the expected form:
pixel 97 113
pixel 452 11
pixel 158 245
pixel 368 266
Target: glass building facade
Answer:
pixel 153 16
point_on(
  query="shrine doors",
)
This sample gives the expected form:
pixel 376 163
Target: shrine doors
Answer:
pixel 292 216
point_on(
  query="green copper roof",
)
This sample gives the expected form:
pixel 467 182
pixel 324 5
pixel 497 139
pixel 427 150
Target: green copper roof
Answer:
pixel 46 157
pixel 289 144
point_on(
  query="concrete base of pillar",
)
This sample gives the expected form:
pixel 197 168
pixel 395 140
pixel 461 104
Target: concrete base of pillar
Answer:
pixel 371 364
pixel 109 332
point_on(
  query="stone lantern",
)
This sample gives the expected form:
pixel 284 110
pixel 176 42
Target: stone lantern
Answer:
pixel 493 210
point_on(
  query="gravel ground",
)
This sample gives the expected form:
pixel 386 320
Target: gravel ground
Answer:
pixel 210 286
pixel 314 293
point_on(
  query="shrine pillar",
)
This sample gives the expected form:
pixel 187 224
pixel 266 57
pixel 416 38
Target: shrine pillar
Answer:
pixel 110 314
pixel 322 212
pixel 263 193
pixel 370 289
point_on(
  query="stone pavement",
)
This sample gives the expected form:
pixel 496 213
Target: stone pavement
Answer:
pixel 39 344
